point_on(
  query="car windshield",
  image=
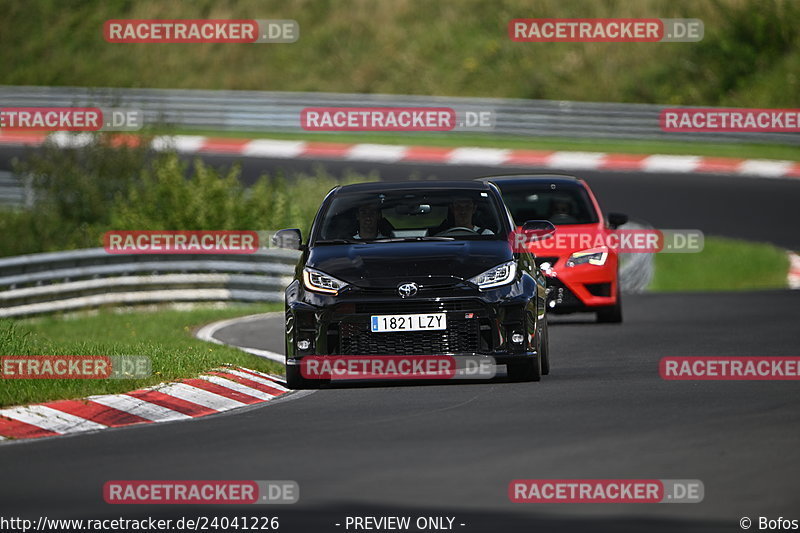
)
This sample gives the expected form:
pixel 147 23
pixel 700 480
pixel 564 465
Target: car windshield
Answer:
pixel 406 215
pixel 560 204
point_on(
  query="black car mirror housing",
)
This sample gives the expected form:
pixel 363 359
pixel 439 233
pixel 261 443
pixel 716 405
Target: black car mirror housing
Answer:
pixel 291 239
pixel 615 220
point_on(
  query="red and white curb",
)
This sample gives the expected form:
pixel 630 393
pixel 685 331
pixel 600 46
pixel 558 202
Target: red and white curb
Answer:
pixel 794 271
pixel 385 153
pixel 217 391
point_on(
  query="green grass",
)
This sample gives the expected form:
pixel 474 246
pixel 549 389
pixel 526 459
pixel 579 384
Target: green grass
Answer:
pixel 754 151
pixel 723 265
pixel 749 56
pixel 164 336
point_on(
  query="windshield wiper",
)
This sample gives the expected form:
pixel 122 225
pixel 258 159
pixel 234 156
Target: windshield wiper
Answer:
pixel 407 239
pixel 337 241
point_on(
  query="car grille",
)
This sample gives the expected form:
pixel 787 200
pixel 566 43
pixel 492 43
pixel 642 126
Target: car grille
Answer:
pixel 559 293
pixel 599 289
pixel 461 336
pixel 418 306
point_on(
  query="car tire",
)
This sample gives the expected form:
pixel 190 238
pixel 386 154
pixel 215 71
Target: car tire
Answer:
pixel 545 349
pixel 528 370
pixel 613 313
pixel 296 381
pixel 294 378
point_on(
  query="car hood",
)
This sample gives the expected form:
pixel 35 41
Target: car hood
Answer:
pixel 567 239
pixel 384 265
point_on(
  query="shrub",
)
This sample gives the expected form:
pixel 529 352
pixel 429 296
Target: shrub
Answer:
pixel 80 194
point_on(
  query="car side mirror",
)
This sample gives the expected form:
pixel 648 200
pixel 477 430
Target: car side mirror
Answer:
pixel 615 220
pixel 290 239
pixel 538 229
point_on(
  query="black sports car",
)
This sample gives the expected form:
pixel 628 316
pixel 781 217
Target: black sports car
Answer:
pixel 437 252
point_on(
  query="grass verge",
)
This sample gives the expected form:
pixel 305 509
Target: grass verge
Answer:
pixel 723 265
pixel 487 140
pixel 164 336
pixel 748 57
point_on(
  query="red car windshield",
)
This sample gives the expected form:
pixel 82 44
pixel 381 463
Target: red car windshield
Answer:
pixel 561 205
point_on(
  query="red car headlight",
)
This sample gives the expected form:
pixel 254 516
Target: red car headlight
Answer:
pixel 592 257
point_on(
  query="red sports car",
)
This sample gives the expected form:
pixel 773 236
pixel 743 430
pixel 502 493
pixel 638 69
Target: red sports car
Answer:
pixel 582 273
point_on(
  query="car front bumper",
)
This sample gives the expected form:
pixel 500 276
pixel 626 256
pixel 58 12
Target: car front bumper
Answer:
pixel 478 323
pixel 582 287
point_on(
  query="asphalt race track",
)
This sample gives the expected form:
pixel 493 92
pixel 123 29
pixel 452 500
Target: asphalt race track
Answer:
pixel 602 413
pixel 452 449
pixel 759 209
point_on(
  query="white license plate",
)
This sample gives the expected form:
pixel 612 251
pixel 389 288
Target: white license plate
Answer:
pixel 421 322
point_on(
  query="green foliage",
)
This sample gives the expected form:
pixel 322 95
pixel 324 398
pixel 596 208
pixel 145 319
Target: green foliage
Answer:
pixel 37 230
pixel 77 186
pixel 80 194
pixel 172 198
pixel 750 55
pixel 209 199
pixel 747 42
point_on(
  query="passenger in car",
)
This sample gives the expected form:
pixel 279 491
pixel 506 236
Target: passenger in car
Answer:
pixel 462 211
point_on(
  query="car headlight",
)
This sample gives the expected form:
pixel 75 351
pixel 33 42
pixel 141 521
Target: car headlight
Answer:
pixel 494 277
pixel 317 281
pixel 593 257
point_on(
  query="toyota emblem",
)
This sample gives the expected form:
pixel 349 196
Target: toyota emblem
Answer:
pixel 407 289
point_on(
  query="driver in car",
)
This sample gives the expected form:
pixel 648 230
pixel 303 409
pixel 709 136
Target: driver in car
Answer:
pixel 368 216
pixel 561 212
pixel 463 209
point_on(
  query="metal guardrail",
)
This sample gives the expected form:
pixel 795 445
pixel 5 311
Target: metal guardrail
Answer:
pixel 90 278
pixel 260 111
pixel 13 191
pixel 81 279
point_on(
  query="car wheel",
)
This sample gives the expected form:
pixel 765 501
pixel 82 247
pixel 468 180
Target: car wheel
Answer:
pixel 296 381
pixel 612 314
pixel 545 349
pixel 293 378
pixel 528 370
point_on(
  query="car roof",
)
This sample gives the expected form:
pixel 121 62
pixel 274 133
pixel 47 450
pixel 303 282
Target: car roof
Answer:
pixel 528 179
pixel 383 186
